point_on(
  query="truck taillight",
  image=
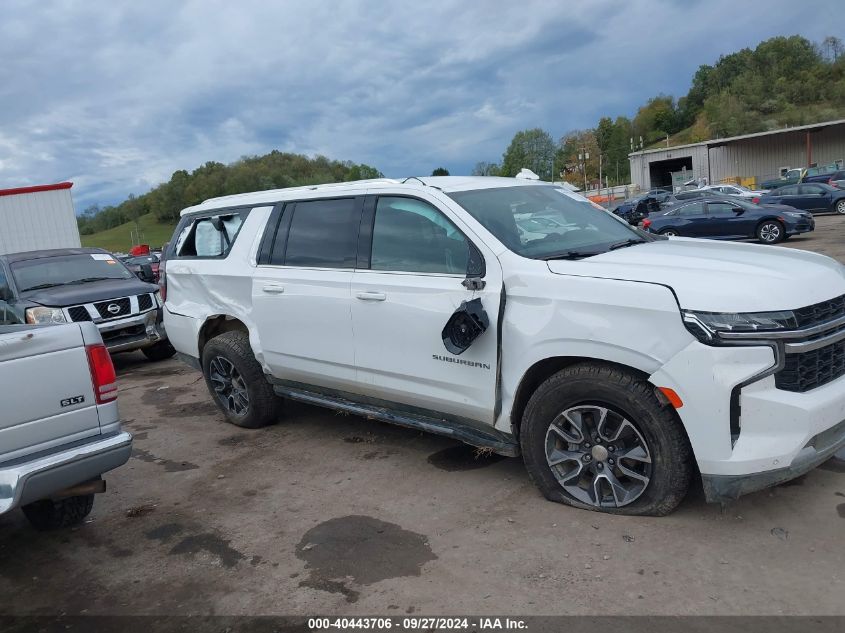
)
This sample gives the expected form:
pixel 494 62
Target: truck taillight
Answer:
pixel 646 223
pixel 162 284
pixel 755 200
pixel 102 373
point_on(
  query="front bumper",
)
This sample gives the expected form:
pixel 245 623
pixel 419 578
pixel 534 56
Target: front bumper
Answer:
pixel 134 332
pixel 803 226
pixel 721 488
pixel 776 435
pixel 37 477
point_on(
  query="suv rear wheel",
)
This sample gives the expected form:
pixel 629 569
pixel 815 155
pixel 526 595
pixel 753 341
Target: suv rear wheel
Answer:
pixel 237 383
pixel 596 437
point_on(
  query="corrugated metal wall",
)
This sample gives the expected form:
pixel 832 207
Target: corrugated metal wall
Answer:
pixel 760 158
pixel 35 221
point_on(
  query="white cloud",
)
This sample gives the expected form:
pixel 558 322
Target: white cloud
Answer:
pixel 117 96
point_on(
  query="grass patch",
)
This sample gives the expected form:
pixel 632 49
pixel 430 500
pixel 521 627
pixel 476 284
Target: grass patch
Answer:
pixel 119 238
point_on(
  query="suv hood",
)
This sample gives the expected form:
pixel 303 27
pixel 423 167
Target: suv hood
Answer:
pixel 713 276
pixel 64 296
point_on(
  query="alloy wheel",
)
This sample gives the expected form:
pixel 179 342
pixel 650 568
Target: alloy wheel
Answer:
pixel 229 385
pixel 770 232
pixel 840 207
pixel 598 456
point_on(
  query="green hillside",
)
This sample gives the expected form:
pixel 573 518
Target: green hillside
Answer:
pixel 119 238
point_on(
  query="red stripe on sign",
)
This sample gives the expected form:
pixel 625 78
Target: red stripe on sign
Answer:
pixel 35 189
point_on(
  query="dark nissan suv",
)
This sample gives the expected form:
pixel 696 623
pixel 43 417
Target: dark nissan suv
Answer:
pixel 84 284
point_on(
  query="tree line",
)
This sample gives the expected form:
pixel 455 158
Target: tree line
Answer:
pixel 784 81
pixel 275 170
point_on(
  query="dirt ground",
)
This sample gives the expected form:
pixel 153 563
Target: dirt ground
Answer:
pixel 333 514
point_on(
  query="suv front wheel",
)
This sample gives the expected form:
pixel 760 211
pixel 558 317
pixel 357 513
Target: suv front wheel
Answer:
pixel 595 436
pixel 237 383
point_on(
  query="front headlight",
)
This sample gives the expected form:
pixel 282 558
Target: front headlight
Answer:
pixel 159 302
pixel 40 315
pixel 707 326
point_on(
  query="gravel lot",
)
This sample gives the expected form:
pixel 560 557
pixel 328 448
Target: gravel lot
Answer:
pixel 332 514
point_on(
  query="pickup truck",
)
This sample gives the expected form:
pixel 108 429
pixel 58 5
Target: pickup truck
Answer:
pixel 60 429
pixel 791 177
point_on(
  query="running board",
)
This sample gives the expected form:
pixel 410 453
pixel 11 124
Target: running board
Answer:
pixel 482 438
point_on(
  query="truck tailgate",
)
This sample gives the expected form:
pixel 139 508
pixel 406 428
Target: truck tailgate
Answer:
pixel 46 387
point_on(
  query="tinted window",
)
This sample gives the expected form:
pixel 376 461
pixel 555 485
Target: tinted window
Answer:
pixel 210 236
pixel 696 208
pixel 785 191
pixel 323 234
pixel 721 209
pixel 812 190
pixel 411 235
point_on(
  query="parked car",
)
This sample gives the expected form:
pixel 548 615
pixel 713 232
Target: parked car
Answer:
pixel 613 360
pixel 790 177
pixel 660 195
pixel 819 174
pixel 60 428
pixel 138 265
pixel 716 218
pixel 737 191
pixel 814 197
pixel 635 209
pixel 834 179
pixel 84 284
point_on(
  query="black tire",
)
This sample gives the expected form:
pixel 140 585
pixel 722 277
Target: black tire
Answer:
pixel 262 406
pixel 51 515
pixel 160 351
pixel 624 395
pixel 770 232
pixel 669 232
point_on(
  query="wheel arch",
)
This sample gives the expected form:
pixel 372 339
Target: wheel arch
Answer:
pixel 544 369
pixel 216 325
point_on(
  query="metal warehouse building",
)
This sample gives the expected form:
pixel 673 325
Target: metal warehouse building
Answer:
pixel 749 159
pixel 35 218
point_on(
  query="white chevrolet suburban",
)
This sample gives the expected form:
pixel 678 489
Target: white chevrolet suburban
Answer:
pixel 616 362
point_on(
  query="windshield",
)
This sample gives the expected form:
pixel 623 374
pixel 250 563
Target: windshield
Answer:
pixel 47 272
pixel 514 215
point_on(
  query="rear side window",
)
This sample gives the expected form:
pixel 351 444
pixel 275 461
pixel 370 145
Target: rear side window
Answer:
pixel 209 236
pixel 322 234
pixel 696 208
pixel 812 190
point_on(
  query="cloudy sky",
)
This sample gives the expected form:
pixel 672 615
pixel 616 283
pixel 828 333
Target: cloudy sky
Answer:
pixel 115 96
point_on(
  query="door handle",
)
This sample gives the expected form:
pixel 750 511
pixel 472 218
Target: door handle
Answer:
pixel 371 296
pixel 273 289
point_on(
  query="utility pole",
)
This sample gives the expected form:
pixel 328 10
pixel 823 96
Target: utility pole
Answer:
pixel 584 156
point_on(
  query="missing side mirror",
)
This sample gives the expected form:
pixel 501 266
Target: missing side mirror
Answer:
pixel 465 325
